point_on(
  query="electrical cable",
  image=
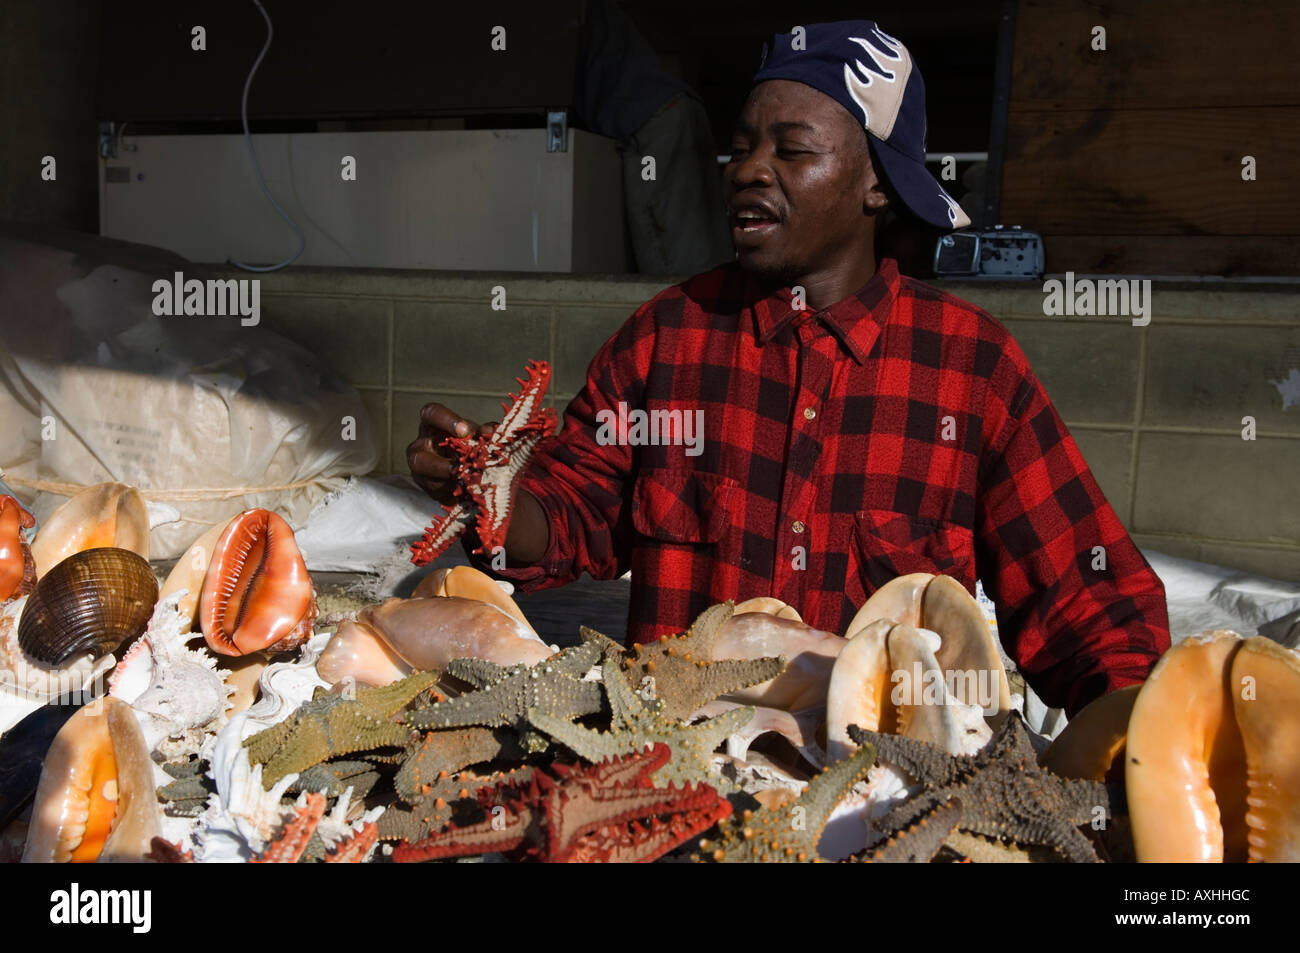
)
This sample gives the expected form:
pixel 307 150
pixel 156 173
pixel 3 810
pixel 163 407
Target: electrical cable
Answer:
pixel 248 139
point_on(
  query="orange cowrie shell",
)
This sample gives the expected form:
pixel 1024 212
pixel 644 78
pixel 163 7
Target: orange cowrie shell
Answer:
pixel 17 568
pixel 256 595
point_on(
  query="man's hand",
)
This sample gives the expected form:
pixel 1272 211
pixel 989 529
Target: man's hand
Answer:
pixel 430 464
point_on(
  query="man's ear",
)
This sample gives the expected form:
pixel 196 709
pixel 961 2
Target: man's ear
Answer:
pixel 875 198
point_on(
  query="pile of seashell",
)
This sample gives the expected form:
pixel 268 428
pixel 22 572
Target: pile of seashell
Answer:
pixel 226 647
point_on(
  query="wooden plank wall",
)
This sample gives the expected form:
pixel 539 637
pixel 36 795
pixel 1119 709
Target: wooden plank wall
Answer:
pixel 1129 160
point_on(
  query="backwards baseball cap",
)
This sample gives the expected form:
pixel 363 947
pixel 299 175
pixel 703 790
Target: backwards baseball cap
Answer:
pixel 872 75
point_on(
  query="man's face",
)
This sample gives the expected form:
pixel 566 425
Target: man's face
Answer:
pixel 799 160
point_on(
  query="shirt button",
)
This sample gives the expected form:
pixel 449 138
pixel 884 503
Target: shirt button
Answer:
pixel 798 526
pixel 809 413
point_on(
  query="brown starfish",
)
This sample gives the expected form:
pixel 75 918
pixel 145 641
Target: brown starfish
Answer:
pixel 682 669
pixel 637 723
pixel 440 754
pixel 788 834
pixel 1003 792
pixel 918 842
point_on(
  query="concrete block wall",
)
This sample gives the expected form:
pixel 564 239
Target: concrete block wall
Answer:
pixel 1156 410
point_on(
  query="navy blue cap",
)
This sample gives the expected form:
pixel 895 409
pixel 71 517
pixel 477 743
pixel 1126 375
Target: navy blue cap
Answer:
pixel 872 75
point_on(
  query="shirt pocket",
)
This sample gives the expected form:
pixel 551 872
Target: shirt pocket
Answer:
pixel 683 506
pixel 887 544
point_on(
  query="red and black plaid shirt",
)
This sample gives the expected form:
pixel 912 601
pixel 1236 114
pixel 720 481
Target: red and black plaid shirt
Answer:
pixel 900 430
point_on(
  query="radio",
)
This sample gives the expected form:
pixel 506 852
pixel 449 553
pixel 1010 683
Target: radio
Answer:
pixel 998 253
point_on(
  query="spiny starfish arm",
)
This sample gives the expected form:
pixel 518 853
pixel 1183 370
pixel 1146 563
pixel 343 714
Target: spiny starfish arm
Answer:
pixel 1082 798
pixel 442 753
pixel 289 846
pixel 355 848
pixel 829 787
pixel 573 812
pixel 504 706
pixel 704 629
pixel 918 842
pixel 926 763
pixel 625 703
pixel 479 672
pixel 523 409
pixel 585 742
pixel 506 830
pixel 442 532
pixel 316 742
pixel 552 685
pixel 333 725
pixel 645 842
pixel 685 685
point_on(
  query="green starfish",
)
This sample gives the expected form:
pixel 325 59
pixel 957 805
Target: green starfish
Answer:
pixel 443 753
pixel 332 725
pixel 437 804
pixel 503 696
pixel 187 795
pixel 1004 794
pixel 335 777
pixel 684 674
pixel 639 723
pixel 788 834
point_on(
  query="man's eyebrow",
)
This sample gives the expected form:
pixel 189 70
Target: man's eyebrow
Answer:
pixel 775 128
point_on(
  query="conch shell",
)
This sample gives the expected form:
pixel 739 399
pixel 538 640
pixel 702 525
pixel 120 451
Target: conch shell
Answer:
pixel 190 571
pixel 1185 777
pixel 256 594
pixel 359 652
pixel 811 655
pixel 95 799
pixel 467 582
pixel 90 603
pixel 942 604
pixel 1213 757
pixel 888 678
pixel 1091 748
pixel 426 634
pixel 17 567
pixel 106 514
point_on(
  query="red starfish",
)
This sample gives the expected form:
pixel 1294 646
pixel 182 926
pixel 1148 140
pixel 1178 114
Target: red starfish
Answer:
pixel 486 467
pixel 289 846
pixel 606 813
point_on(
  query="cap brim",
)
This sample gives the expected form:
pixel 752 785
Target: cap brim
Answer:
pixel 919 190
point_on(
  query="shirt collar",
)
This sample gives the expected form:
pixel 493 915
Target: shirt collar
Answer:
pixel 855 321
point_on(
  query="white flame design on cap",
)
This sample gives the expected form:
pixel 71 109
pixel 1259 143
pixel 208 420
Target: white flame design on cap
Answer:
pixel 885 102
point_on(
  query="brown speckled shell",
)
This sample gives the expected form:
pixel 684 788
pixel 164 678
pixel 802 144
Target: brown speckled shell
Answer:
pixel 93 601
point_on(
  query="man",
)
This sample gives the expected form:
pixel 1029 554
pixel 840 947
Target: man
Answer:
pixel 858 425
pixel 622 92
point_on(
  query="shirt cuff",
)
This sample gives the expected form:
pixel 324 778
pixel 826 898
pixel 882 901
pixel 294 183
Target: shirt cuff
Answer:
pixel 555 562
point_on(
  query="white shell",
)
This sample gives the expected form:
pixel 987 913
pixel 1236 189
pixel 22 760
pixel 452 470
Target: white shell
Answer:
pixel 179 695
pixel 242 816
pixel 286 685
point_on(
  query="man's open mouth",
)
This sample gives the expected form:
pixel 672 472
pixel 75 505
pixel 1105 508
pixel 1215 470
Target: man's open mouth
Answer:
pixel 751 221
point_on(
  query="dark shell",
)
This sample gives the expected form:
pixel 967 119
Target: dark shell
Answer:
pixel 92 602
pixel 22 752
